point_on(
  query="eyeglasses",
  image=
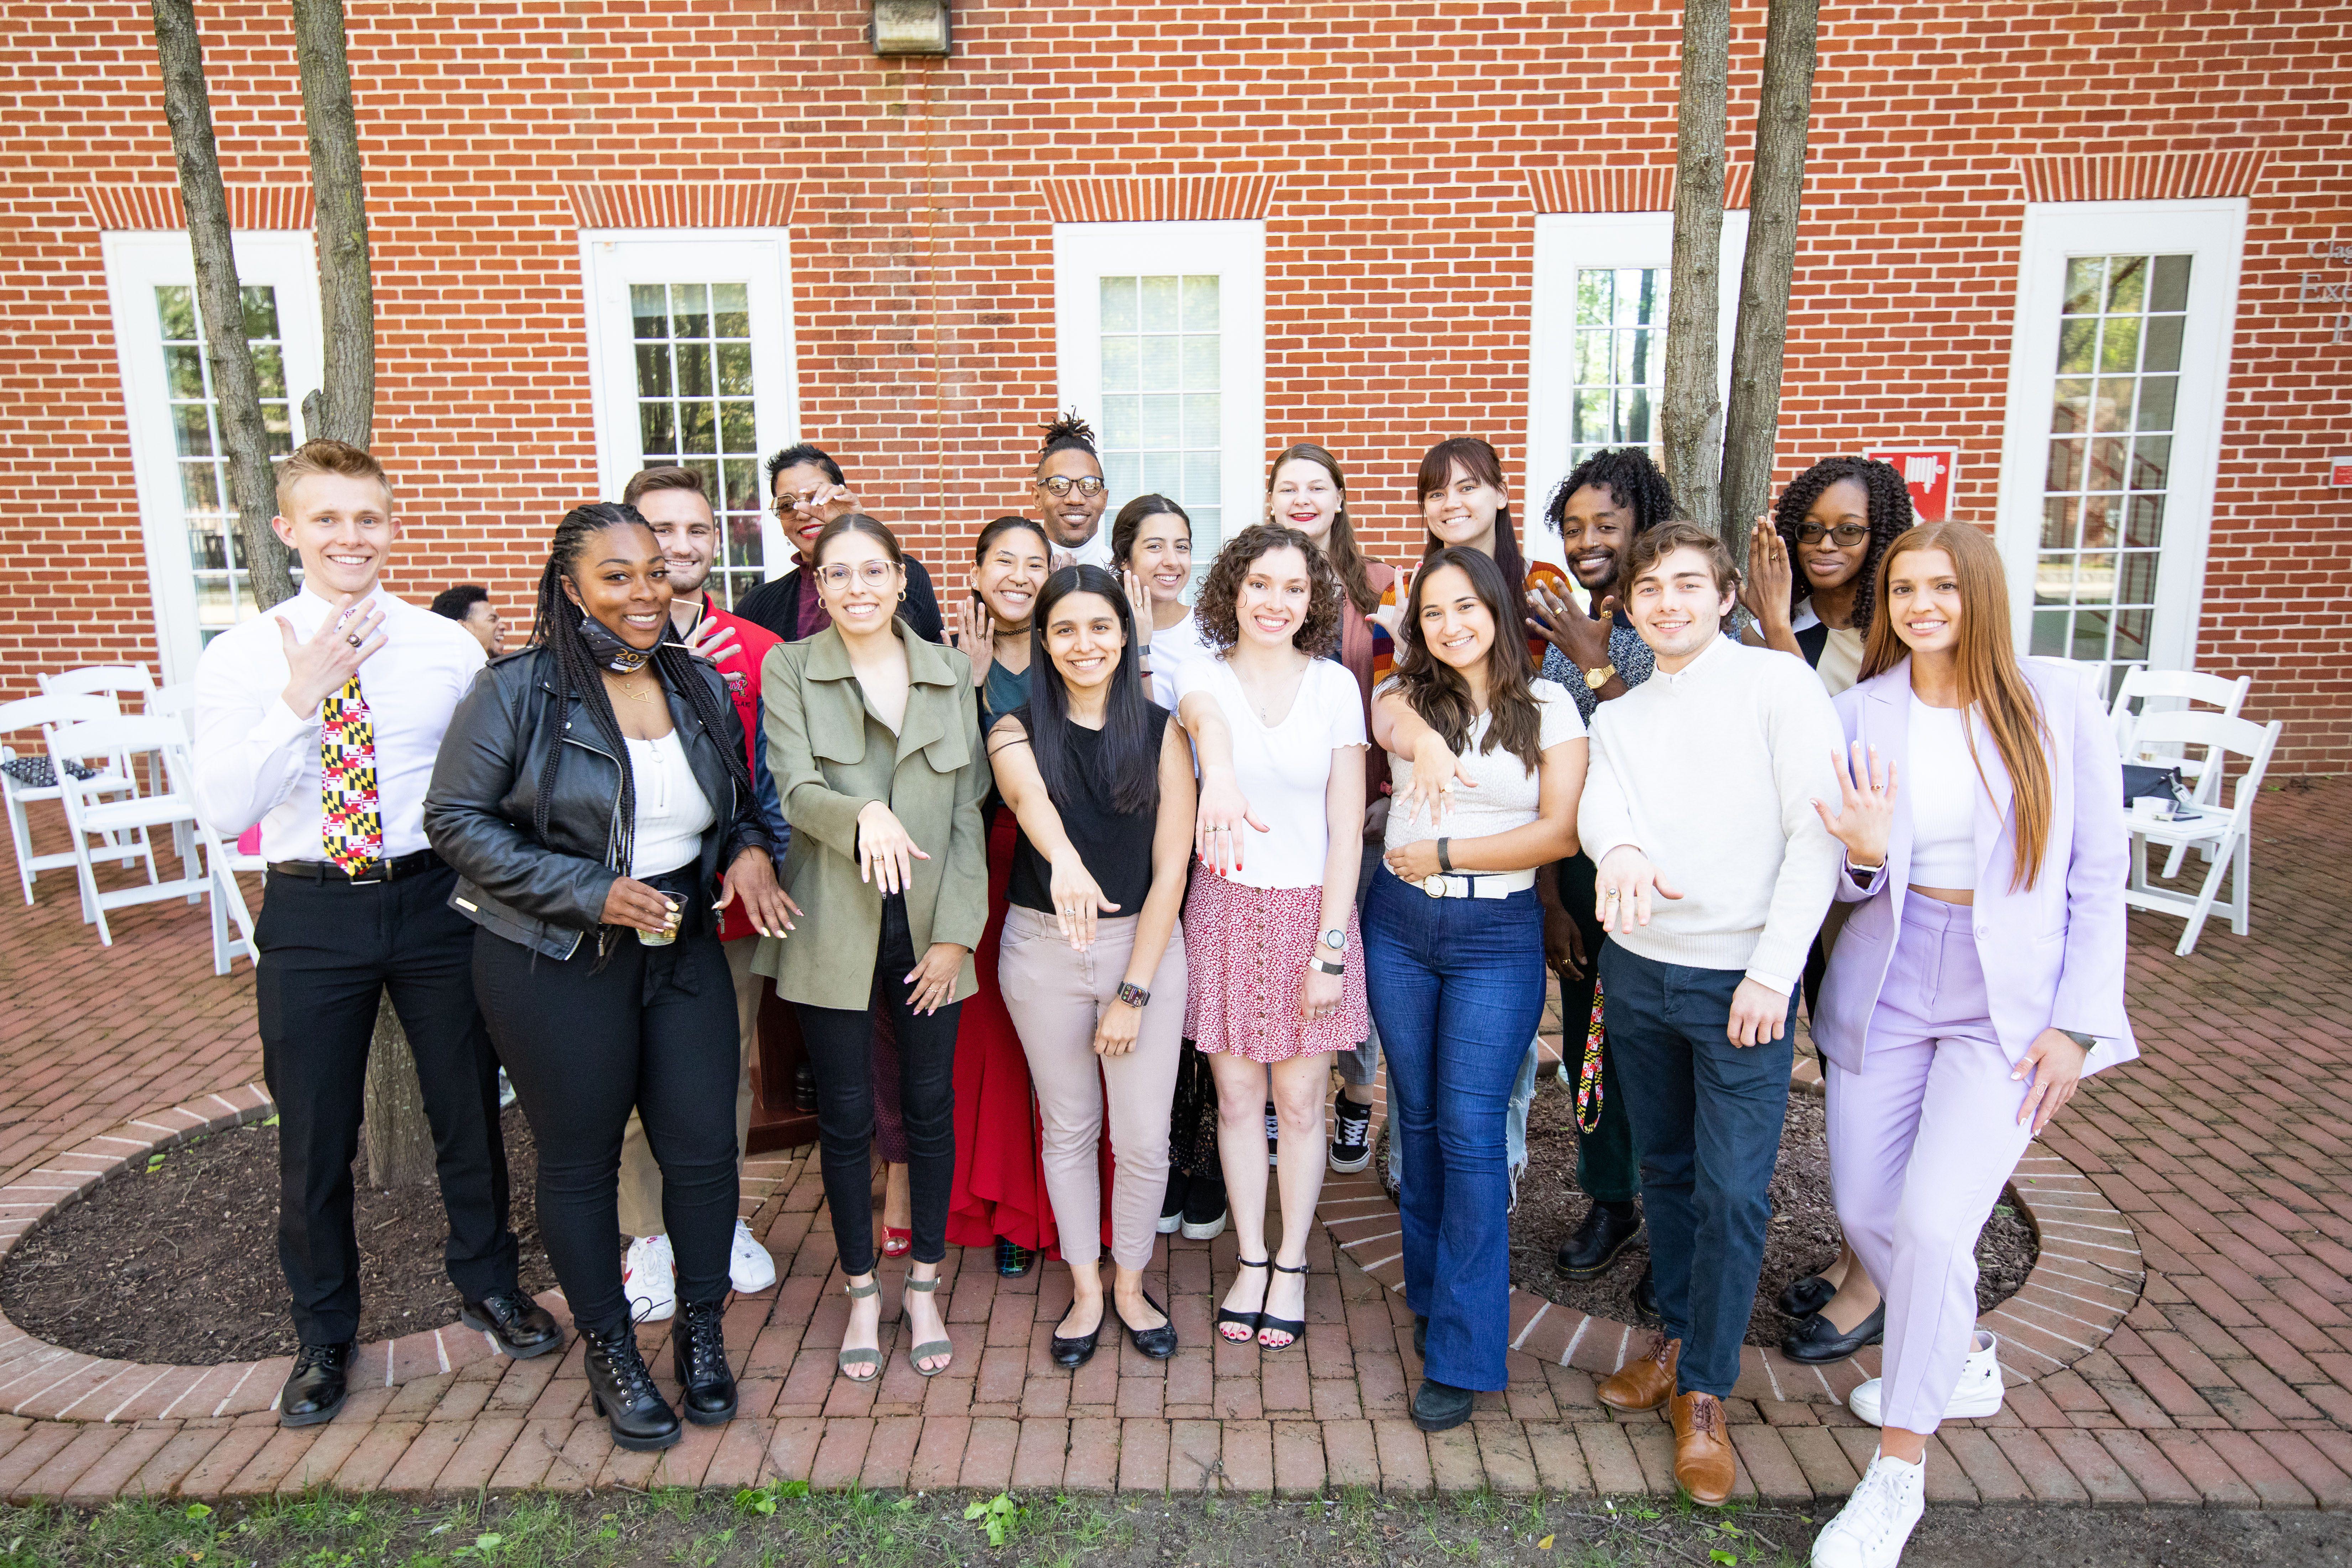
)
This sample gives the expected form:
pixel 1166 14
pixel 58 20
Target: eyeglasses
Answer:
pixel 1061 486
pixel 873 574
pixel 1848 534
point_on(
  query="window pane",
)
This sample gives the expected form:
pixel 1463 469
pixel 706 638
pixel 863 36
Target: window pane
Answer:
pixel 2099 514
pixel 657 430
pixel 1161 355
pixel 2163 350
pixel 736 433
pixel 1118 304
pixel 1158 296
pixel 1121 360
pixel 2108 462
pixel 2071 411
pixel 268 373
pixel 694 370
pixel 2058 517
pixel 2143 522
pixel 2155 400
pixel 690 310
pixel 2120 344
pixel 2111 403
pixel 1159 360
pixel 2168 287
pixel 2078 343
pixel 260 303
pixel 2127 280
pixel 192 429
pixel 2085 284
pixel 1200 304
pixel 2050 632
pixel 734 369
pixel 648 307
pixel 697 426
pixel 184 371
pixel 1617 371
pixel 731 310
pixel 2151 462
pixel 175 312
pixel 653 370
pixel 1202 368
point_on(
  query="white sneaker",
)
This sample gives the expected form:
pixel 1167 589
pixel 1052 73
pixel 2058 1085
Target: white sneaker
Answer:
pixel 749 1267
pixel 649 1278
pixel 1978 1393
pixel 1871 1530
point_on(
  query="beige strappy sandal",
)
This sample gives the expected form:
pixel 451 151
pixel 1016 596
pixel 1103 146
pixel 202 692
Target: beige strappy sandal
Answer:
pixel 929 1347
pixel 869 1359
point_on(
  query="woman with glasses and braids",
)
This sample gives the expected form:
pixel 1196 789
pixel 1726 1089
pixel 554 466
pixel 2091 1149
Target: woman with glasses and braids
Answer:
pixel 1070 494
pixel 873 739
pixel 593 795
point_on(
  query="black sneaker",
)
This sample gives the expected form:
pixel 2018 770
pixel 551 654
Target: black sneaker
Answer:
pixel 1012 1261
pixel 1171 1207
pixel 1272 1131
pixel 1351 1135
pixel 1204 1209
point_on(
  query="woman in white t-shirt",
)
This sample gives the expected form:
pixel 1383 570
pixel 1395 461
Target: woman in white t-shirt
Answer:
pixel 1487 765
pixel 1270 924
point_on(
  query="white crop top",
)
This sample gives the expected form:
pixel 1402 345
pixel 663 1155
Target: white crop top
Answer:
pixel 1508 794
pixel 672 810
pixel 1941 778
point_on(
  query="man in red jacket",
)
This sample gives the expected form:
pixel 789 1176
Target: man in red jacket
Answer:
pixel 674 501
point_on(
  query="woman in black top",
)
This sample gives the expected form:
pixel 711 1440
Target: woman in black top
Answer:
pixel 590 835
pixel 1100 779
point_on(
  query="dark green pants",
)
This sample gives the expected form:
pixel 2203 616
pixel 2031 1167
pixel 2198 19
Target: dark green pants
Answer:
pixel 1608 1165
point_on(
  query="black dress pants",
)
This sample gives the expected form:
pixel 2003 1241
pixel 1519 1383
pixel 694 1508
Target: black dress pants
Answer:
pixel 840 1043
pixel 652 1031
pixel 328 951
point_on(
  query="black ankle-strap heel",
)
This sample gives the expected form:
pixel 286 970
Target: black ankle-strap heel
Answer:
pixel 1268 1323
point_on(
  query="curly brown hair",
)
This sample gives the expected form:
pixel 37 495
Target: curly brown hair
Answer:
pixel 1216 609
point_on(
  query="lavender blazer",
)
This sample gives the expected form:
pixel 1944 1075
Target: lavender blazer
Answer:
pixel 2053 954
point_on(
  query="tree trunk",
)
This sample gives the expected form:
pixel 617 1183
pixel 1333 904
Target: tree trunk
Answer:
pixel 346 290
pixel 399 1140
pixel 187 105
pixel 1692 418
pixel 1752 421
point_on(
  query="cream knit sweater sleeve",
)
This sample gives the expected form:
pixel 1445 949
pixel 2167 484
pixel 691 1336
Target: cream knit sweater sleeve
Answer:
pixel 1803 730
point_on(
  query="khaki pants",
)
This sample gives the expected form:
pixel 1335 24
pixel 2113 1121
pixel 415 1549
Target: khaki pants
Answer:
pixel 641 1181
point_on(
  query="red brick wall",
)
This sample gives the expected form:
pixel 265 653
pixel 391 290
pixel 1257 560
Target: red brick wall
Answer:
pixel 1399 246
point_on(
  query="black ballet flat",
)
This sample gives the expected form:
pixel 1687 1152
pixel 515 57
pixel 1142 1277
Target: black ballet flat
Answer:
pixel 1158 1343
pixel 1076 1351
pixel 1803 1298
pixel 1817 1342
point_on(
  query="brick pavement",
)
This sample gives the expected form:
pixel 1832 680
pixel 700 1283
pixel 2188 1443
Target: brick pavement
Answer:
pixel 2222 1375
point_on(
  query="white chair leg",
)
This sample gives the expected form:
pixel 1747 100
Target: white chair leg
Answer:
pixel 2205 896
pixel 2138 883
pixel 2241 882
pixel 2172 861
pixel 21 831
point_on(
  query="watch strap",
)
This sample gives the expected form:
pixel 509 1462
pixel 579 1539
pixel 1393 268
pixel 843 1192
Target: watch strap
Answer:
pixel 1325 966
pixel 1445 855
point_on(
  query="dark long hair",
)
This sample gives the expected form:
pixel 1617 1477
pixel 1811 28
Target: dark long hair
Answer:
pixel 1890 514
pixel 1438 691
pixel 1480 460
pixel 576 673
pixel 1133 727
pixel 1134 515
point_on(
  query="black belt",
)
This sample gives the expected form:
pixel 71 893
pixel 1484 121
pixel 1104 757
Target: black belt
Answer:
pixel 381 871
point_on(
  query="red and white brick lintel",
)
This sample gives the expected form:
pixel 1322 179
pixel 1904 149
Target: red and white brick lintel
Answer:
pixel 41 1381
pixel 719 203
pixel 2087 1277
pixel 157 206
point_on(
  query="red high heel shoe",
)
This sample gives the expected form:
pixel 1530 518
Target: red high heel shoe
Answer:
pixel 896 1243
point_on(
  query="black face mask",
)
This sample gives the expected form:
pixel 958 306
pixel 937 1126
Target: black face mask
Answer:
pixel 610 651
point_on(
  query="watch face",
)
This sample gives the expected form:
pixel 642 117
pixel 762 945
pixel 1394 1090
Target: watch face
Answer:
pixel 1337 941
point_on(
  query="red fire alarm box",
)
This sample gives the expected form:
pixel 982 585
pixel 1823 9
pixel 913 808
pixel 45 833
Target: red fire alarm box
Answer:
pixel 2339 472
pixel 1928 471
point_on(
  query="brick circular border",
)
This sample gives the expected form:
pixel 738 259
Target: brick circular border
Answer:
pixel 2087 1276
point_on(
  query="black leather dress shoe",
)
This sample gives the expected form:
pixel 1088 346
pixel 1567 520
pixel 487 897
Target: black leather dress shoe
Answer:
pixel 804 1087
pixel 621 1389
pixel 1158 1343
pixel 315 1387
pixel 1803 1298
pixel 706 1383
pixel 1817 1342
pixel 521 1326
pixel 1440 1406
pixel 1078 1349
pixel 1605 1231
pixel 1645 1293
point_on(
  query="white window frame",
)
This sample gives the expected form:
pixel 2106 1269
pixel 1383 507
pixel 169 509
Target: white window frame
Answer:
pixel 137 263
pixel 1234 249
pixel 2212 232
pixel 611 259
pixel 1566 244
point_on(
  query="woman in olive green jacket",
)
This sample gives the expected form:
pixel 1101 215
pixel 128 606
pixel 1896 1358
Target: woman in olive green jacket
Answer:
pixel 875 744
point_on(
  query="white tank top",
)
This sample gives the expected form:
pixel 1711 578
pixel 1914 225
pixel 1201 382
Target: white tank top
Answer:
pixel 672 811
pixel 1941 778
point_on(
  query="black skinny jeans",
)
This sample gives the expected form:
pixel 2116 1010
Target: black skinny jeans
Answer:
pixel 655 1032
pixel 840 1045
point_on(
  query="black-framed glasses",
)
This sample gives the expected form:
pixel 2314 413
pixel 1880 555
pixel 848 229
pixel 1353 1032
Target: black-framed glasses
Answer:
pixel 872 574
pixel 1847 534
pixel 1061 485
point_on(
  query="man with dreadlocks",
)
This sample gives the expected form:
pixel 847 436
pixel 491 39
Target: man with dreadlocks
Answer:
pixel 592 792
pixel 321 722
pixel 1070 496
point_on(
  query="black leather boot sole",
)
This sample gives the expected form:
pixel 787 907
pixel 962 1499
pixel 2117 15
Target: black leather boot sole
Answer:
pixel 1817 1342
pixel 522 1328
pixel 1440 1406
pixel 1599 1237
pixel 621 1390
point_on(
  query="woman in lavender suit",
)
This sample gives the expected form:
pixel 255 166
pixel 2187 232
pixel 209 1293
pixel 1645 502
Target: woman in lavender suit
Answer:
pixel 1981 976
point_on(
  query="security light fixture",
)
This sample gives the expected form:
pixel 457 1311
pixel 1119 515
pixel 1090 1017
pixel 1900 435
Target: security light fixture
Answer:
pixel 909 27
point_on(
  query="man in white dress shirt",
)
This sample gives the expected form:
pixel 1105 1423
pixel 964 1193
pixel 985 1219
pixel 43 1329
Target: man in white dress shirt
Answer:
pixel 320 720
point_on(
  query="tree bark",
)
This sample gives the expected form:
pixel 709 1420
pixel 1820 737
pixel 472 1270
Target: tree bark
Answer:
pixel 187 106
pixel 346 289
pixel 399 1138
pixel 1752 421
pixel 1692 418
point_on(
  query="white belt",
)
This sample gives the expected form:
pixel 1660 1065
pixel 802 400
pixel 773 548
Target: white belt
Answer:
pixel 1477 885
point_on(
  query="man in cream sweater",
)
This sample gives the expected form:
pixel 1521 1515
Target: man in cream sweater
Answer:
pixel 1714 874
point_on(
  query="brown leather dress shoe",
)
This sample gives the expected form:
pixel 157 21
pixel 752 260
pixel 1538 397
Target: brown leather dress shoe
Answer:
pixel 1703 1460
pixel 1647 1381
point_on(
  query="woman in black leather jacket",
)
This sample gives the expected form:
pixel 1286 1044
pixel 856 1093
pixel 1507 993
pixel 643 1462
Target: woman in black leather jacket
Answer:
pixel 588 834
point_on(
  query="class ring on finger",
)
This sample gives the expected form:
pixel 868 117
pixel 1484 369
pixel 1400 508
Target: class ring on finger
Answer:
pixel 350 640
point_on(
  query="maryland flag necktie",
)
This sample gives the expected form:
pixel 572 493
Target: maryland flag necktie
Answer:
pixel 349 824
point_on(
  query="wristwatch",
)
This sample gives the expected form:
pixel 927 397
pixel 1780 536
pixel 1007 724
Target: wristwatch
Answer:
pixel 1445 855
pixel 1594 679
pixel 1134 996
pixel 1336 939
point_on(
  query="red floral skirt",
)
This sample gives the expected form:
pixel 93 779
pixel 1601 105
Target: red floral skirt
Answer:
pixel 1245 949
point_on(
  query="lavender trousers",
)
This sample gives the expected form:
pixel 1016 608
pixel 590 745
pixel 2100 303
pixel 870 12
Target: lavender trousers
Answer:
pixel 1921 1140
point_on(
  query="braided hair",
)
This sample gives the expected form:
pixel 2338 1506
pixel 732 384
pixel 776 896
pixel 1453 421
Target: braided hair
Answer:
pixel 1629 476
pixel 1068 432
pixel 1890 517
pixel 577 673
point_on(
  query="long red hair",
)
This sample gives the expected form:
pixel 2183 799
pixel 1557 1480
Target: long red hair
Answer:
pixel 1991 681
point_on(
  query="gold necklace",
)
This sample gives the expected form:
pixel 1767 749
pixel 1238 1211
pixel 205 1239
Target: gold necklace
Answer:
pixel 636 692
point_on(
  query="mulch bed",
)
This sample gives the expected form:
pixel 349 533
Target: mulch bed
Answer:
pixel 179 1264
pixel 1802 1239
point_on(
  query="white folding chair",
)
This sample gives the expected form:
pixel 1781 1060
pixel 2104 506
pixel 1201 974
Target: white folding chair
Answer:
pixel 177 702
pixel 2222 831
pixel 87 815
pixel 2156 691
pixel 31 776
pixel 116 680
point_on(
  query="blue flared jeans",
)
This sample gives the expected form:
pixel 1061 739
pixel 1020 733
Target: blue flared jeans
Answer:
pixel 1458 988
